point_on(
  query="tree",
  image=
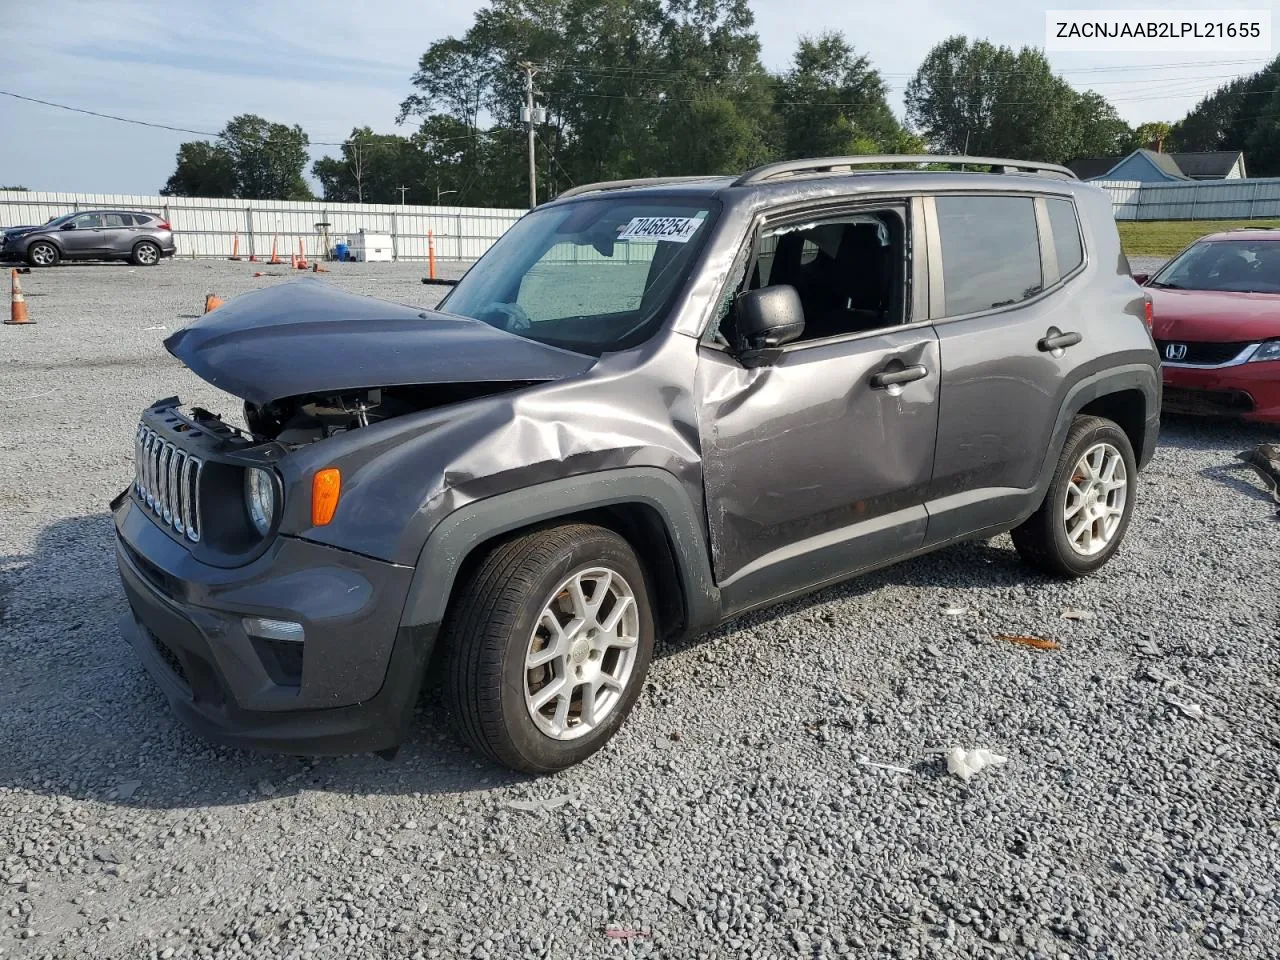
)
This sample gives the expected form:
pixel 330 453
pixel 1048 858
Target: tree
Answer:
pixel 832 103
pixel 1240 115
pixel 204 169
pixel 994 102
pixel 1100 130
pixel 1152 132
pixel 630 87
pixel 372 169
pixel 252 159
pixel 1225 119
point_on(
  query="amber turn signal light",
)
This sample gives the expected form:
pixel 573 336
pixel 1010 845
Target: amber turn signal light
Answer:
pixel 325 487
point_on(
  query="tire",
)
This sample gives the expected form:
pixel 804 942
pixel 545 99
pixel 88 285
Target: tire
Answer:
pixel 145 254
pixel 497 622
pixel 42 253
pixel 1045 539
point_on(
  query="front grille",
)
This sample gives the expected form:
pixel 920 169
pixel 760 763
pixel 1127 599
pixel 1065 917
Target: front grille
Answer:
pixel 1201 353
pixel 167 481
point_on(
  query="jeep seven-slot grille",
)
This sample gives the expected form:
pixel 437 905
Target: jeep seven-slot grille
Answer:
pixel 167 481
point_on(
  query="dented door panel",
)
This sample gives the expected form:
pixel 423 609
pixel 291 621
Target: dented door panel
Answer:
pixel 810 472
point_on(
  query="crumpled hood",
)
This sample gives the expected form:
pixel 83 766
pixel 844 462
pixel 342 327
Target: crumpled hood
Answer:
pixel 306 337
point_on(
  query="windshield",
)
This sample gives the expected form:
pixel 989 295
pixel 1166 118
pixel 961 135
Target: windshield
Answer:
pixel 591 276
pixel 1234 266
pixel 55 221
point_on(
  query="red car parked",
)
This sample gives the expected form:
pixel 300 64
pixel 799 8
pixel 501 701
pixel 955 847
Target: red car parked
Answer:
pixel 1216 320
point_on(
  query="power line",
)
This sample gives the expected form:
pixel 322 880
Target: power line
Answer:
pixel 199 133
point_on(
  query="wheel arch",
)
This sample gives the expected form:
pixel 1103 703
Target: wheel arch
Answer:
pixel 1127 408
pixel 44 238
pixel 645 505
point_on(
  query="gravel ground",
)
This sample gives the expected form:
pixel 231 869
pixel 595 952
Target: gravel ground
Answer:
pixel 1136 816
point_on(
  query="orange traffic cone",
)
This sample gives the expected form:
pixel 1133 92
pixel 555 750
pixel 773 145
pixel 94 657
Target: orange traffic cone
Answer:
pixel 431 254
pixel 275 257
pixel 235 247
pixel 212 302
pixel 302 256
pixel 18 303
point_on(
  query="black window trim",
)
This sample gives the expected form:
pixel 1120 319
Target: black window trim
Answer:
pixel 937 288
pixel 917 274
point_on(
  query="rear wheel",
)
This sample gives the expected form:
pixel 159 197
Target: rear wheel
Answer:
pixel 548 645
pixel 145 254
pixel 1086 512
pixel 43 254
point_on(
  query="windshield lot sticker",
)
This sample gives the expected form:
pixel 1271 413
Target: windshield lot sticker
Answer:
pixel 670 229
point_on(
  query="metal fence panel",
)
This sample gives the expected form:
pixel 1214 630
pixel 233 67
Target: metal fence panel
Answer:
pixel 1196 200
pixel 209 227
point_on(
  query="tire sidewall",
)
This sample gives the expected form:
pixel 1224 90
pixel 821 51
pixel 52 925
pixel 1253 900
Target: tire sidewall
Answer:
pixel 537 749
pixel 1103 432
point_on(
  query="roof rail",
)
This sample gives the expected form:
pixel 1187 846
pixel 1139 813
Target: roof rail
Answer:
pixel 624 184
pixel 832 164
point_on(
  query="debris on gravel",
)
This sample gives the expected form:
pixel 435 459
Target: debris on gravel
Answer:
pixel 730 817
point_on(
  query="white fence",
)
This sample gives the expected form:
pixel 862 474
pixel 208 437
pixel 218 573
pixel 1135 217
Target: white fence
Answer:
pixel 1195 200
pixel 209 227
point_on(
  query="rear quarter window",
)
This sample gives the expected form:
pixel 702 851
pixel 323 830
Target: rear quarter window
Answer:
pixel 990 252
pixel 1066 235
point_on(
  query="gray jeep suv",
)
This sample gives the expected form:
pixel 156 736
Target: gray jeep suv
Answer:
pixel 652 405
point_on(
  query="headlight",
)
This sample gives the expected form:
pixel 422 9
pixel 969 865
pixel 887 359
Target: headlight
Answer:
pixel 260 499
pixel 1267 351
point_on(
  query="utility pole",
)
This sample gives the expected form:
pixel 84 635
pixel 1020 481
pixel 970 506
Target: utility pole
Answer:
pixel 529 71
pixel 402 192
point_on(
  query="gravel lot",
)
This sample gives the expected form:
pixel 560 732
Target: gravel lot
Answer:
pixel 1136 816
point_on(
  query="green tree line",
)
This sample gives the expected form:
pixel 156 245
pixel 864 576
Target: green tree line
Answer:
pixel 634 88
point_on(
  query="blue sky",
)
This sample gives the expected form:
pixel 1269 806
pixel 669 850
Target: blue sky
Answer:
pixel 330 65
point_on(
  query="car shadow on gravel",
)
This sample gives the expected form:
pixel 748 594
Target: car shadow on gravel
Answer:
pixel 83 718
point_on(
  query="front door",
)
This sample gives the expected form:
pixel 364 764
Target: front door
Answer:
pixel 814 466
pixel 85 238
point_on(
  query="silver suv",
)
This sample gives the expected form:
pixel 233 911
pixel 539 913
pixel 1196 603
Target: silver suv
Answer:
pixel 650 406
pixel 141 238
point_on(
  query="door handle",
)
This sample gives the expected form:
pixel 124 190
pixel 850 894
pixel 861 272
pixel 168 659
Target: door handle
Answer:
pixel 896 378
pixel 1056 341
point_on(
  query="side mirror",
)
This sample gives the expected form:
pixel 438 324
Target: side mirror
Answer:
pixel 68 226
pixel 768 318
pixel 1141 278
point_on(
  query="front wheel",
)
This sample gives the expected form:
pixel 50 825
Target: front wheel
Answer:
pixel 1089 504
pixel 145 254
pixel 548 646
pixel 42 254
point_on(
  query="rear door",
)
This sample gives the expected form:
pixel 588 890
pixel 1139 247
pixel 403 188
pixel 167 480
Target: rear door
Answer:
pixel 813 466
pixel 118 233
pixel 1007 348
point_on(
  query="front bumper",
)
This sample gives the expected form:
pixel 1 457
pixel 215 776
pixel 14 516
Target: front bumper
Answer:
pixel 1249 391
pixel 353 686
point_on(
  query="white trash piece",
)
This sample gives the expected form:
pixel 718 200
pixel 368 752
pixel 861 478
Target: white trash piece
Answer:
pixel 965 763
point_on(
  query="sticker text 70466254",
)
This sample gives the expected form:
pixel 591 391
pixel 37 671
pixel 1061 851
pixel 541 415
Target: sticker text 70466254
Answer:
pixel 670 229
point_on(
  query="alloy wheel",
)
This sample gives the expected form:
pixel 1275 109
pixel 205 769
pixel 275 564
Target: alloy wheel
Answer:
pixel 581 653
